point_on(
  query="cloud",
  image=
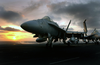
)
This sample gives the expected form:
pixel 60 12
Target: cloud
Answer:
pixel 70 29
pixel 34 5
pixel 3 32
pixel 11 35
pixel 78 12
pixel 2 36
pixel 36 9
pixel 8 29
pixel 64 26
pixel 10 16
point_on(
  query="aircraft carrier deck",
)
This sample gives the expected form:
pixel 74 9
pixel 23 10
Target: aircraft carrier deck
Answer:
pixel 32 53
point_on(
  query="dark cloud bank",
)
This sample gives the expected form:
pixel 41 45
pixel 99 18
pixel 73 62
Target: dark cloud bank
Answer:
pixel 8 29
pixel 80 12
pixel 33 6
pixel 10 16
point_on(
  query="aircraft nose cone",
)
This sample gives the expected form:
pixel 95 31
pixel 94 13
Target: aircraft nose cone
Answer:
pixel 24 25
pixel 30 26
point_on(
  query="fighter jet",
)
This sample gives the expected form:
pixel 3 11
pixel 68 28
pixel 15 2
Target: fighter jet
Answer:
pixel 47 30
pixel 94 36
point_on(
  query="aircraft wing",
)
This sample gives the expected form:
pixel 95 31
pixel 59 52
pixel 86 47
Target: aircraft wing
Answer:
pixel 58 28
pixel 68 33
pixel 89 36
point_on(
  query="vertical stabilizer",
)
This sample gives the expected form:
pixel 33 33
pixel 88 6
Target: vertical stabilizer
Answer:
pixel 85 27
pixel 68 25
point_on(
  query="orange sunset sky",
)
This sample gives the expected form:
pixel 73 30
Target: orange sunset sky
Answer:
pixel 15 12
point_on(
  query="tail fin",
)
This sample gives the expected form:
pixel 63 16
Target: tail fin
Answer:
pixel 85 27
pixel 68 25
pixel 94 32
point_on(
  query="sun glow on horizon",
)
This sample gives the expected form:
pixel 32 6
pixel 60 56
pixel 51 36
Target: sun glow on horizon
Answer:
pixel 18 36
pixel 14 38
pixel 16 27
pixel 15 35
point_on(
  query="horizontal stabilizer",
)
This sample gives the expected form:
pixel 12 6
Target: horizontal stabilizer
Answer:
pixel 89 36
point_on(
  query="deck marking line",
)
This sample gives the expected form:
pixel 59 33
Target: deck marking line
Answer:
pixel 64 60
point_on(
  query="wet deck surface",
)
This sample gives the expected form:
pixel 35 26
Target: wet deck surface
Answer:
pixel 14 53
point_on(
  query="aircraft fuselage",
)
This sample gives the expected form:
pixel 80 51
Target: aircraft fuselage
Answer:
pixel 41 27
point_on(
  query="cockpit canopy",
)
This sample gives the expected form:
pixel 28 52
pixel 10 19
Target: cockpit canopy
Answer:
pixel 47 18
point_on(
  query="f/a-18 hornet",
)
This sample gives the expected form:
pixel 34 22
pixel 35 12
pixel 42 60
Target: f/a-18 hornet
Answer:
pixel 94 36
pixel 47 30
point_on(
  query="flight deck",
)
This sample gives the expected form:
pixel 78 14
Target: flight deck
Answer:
pixel 32 53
